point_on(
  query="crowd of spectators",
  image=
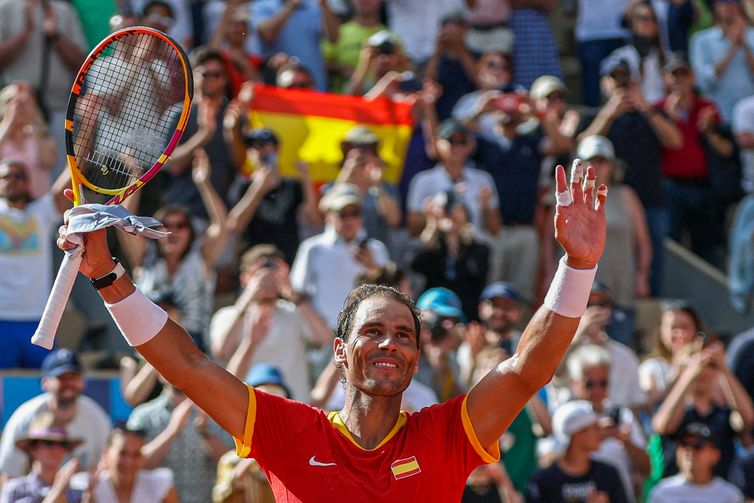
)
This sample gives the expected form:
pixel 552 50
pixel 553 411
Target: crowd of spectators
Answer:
pixel 258 262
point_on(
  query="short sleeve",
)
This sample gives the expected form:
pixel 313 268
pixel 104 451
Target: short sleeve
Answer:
pixel 743 116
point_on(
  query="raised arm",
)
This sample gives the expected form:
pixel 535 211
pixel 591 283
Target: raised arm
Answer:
pixel 580 229
pixel 165 344
pixel 217 233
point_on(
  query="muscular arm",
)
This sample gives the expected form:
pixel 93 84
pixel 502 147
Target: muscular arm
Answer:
pixel 580 229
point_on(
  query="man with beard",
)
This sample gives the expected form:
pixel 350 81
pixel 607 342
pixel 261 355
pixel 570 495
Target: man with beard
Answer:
pixel 81 416
pixel 25 247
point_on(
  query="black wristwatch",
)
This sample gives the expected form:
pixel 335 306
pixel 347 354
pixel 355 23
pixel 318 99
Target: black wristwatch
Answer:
pixel 109 278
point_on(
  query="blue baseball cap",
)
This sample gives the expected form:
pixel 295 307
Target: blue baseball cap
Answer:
pixel 265 373
pixel 501 289
pixel 60 361
pixel 442 301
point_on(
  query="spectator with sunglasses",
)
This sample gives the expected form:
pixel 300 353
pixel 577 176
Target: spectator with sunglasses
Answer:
pixel 47 446
pixel 697 453
pixel 624 369
pixel 269 208
pixel 380 66
pixel 328 265
pixel 475 189
pixel 623 443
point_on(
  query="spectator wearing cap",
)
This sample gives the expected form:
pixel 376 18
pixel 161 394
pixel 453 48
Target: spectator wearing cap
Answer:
pixel 379 68
pixel 170 16
pixel 722 57
pixel 271 205
pixel 695 396
pixel 575 476
pixel 46 445
pixel 474 188
pixel 442 320
pixel 499 312
pixel 296 28
pixel 63 384
pixel 451 64
pixel 362 167
pixel 450 255
pixel 638 133
pixel 268 323
pixel 643 51
pixel 625 265
pixel 327 265
pixel 294 75
pixel 623 443
pixel 689 193
pixel 594 329
pixel 697 454
pixel 342 56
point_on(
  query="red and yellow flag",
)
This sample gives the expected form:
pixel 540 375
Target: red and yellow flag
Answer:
pixel 406 467
pixel 311 125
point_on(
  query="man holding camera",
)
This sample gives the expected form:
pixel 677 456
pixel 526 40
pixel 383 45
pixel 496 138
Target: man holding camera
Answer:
pixel 327 265
pixel 268 322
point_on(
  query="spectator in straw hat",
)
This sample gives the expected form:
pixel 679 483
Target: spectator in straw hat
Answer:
pixel 46 445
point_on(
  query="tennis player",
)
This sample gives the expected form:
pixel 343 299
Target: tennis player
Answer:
pixel 370 450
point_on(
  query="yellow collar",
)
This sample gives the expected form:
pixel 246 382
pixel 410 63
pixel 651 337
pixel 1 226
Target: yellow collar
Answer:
pixel 338 424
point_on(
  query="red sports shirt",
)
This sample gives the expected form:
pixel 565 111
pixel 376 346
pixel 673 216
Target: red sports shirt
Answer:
pixel 310 457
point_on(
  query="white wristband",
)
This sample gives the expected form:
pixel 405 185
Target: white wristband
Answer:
pixel 138 318
pixel 569 291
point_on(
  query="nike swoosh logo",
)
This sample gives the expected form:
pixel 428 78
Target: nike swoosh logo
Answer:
pixel 314 462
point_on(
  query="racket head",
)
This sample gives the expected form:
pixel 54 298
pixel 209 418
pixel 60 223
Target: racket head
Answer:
pixel 128 108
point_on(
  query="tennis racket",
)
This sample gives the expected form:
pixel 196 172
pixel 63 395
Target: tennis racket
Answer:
pixel 128 108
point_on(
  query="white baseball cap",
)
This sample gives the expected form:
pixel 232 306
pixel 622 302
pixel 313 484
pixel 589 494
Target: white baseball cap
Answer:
pixel 546 85
pixel 572 417
pixel 595 146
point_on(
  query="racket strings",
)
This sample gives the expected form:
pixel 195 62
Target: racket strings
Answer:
pixel 122 122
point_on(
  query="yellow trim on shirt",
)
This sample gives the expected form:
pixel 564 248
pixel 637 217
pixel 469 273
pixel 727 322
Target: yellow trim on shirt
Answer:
pixel 243 446
pixel 489 455
pixel 338 424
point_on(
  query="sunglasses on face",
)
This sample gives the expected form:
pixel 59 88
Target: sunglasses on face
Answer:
pixel 695 443
pixel 590 384
pixel 458 140
pixel 495 65
pixel 644 17
pixel 556 97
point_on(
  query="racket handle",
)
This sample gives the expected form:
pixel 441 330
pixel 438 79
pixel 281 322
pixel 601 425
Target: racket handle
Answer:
pixel 61 290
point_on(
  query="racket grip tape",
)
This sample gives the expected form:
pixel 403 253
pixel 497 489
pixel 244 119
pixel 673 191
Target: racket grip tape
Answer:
pixel 61 290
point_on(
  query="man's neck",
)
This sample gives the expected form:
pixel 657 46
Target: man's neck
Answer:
pixel 453 169
pixel 44 473
pixel 18 204
pixel 369 419
pixel 575 462
pixel 367 19
pixel 63 413
pixel 700 479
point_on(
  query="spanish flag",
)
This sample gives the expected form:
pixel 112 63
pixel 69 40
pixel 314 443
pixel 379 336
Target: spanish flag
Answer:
pixel 405 467
pixel 311 125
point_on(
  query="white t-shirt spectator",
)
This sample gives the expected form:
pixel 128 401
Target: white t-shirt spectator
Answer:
pixel 26 258
pixel 417 23
pixel 600 19
pixel 679 490
pixel 613 452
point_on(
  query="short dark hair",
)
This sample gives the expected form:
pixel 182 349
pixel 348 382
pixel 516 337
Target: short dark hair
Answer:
pixel 368 291
pixel 121 430
pixel 158 3
pixel 201 54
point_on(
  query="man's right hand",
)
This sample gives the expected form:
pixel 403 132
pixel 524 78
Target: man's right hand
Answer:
pixel 96 260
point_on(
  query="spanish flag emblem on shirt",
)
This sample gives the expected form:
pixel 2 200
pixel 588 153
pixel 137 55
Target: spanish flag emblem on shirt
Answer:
pixel 405 467
pixel 311 126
